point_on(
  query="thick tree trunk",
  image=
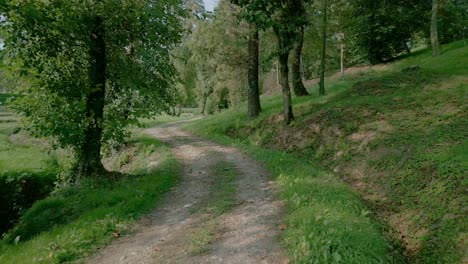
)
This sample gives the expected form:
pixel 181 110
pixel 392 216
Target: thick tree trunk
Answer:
pixel 324 47
pixel 284 80
pixel 254 107
pixel 298 86
pixel 89 156
pixel 434 31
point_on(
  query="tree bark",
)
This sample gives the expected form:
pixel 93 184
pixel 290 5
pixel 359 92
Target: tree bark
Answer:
pixel 254 107
pixel 179 109
pixel 205 99
pixel 324 46
pixel 284 80
pixel 277 73
pixel 298 86
pixel 434 31
pixel 342 60
pixel 283 57
pixel 89 156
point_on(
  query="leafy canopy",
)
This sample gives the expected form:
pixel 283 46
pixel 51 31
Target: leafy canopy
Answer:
pixel 49 40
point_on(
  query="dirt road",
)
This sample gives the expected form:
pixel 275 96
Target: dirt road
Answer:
pixel 247 233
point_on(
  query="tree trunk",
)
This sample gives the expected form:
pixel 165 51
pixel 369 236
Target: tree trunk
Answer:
pixel 342 60
pixel 434 31
pixel 407 48
pixel 205 99
pixel 324 46
pixel 283 57
pixel 254 107
pixel 277 73
pixel 298 86
pixel 284 80
pixel 89 156
pixel 179 109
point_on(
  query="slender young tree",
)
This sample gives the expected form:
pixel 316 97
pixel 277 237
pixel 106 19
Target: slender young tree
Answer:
pixel 434 30
pixel 324 47
pixel 341 40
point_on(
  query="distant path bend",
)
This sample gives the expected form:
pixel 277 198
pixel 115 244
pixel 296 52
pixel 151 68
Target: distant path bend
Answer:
pixel 249 232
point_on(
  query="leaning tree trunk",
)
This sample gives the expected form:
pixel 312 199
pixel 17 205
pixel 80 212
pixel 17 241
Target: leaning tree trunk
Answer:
pixel 284 78
pixel 434 31
pixel 89 156
pixel 254 107
pixel 324 47
pixel 297 84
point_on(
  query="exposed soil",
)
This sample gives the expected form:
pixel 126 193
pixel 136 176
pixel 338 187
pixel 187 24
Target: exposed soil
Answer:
pixel 248 233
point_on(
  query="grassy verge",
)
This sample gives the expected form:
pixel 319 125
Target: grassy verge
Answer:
pixel 19 152
pixel 396 134
pixel 220 200
pixel 221 197
pixel 326 220
pixel 75 221
pixel 28 170
pixel 166 119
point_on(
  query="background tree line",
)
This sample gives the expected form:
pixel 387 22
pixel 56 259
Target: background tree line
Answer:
pixel 288 41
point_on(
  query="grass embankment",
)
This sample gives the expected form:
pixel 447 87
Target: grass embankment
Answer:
pixel 74 221
pixel 396 134
pixel 27 170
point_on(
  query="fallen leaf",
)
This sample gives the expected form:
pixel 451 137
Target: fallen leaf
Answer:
pixel 116 234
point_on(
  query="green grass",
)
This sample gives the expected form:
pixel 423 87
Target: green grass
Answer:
pixel 75 221
pixel 201 238
pixel 403 130
pixel 162 119
pixel 222 193
pixel 326 220
pixel 220 200
pixel 5 98
pixel 20 153
pixel 28 170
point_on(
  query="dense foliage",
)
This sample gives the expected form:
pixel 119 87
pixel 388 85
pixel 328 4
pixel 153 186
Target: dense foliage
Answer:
pixel 96 66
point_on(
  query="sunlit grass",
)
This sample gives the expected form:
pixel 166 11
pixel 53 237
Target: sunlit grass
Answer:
pixel 75 221
pixel 327 220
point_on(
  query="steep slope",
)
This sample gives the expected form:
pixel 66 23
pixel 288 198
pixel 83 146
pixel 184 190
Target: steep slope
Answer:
pixel 395 133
